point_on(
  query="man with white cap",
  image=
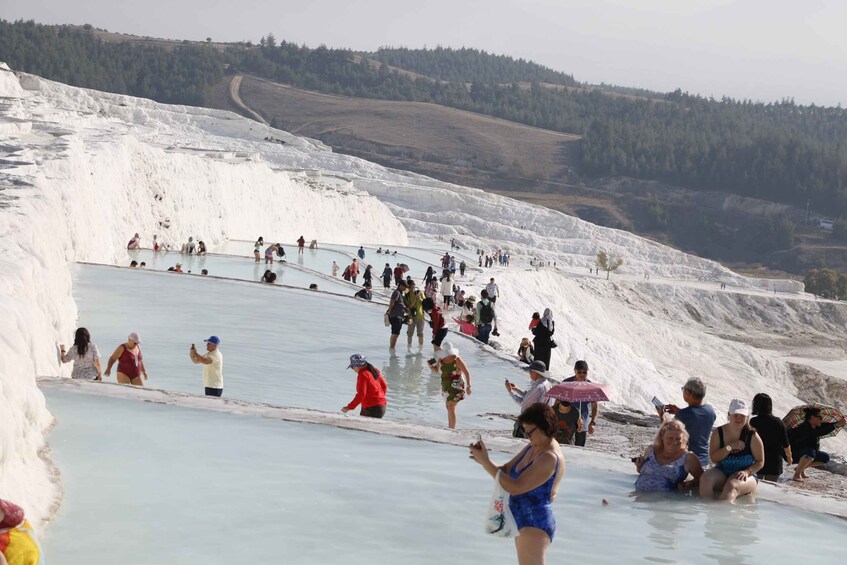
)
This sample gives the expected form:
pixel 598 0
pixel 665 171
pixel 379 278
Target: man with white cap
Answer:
pixel 213 366
pixel 535 393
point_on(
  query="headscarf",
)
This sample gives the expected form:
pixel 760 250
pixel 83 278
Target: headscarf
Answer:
pixel 547 320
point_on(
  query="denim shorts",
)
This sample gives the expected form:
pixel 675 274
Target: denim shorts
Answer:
pixel 816 454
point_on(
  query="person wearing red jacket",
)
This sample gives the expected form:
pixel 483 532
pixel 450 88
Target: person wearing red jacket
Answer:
pixel 437 323
pixel 370 388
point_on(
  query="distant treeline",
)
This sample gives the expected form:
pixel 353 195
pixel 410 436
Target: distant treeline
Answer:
pixel 74 56
pixel 778 151
pixel 470 65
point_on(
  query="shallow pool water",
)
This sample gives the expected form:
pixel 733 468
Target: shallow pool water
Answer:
pixel 240 268
pixel 316 259
pixel 280 346
pixel 150 484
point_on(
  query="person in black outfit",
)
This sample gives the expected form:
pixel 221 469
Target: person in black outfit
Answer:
pixel 365 293
pixel 368 276
pixel 806 441
pixel 430 274
pixel 387 273
pixel 772 431
pixel 542 342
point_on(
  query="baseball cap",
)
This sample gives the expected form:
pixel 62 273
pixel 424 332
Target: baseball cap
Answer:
pixel 214 339
pixel 357 360
pixel 738 406
pixel 134 337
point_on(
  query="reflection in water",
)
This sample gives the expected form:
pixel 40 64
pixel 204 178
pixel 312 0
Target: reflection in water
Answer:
pixel 731 531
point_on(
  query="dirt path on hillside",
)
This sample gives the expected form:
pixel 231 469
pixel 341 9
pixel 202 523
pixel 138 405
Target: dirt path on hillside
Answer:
pixel 234 87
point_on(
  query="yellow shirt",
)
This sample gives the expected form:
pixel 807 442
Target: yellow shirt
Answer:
pixel 213 373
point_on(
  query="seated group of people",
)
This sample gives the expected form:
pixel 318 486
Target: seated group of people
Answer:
pixel 740 452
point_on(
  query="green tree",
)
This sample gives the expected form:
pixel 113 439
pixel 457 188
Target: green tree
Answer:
pixel 607 262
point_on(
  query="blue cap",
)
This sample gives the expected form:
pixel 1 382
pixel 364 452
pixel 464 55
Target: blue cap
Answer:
pixel 357 361
pixel 214 339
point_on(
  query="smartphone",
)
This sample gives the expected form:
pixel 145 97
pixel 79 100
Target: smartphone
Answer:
pixel 658 403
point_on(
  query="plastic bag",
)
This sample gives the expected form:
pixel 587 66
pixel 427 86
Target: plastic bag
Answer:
pixel 387 320
pixel 499 520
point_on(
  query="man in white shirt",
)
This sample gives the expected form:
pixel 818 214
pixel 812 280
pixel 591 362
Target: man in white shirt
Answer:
pixel 493 291
pixel 213 366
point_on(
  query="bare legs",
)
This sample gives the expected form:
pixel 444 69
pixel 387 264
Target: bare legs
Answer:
pixel 804 463
pixel 126 380
pixel 451 414
pixel 532 545
pixel 730 488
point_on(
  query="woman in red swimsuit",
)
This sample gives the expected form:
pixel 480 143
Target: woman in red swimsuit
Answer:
pixel 130 362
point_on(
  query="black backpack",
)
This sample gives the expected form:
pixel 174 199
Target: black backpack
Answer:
pixel 486 313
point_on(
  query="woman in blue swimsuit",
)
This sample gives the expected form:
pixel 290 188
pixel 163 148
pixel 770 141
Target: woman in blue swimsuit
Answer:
pixel 532 480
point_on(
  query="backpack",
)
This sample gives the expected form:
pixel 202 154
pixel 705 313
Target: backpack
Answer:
pixel 486 313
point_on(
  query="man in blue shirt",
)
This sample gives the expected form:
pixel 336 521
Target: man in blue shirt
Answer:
pixel 697 417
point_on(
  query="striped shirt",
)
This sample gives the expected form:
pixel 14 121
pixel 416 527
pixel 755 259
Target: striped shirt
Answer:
pixel 534 394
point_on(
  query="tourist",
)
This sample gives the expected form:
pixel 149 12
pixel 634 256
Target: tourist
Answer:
pixel 188 248
pixel 203 272
pixel 370 389
pixel 542 340
pixel 436 322
pixel 178 268
pixel 532 480
pixel 526 353
pixel 313 286
pixel 775 440
pixel 493 290
pixel 18 542
pixel 535 393
pixel 269 252
pixel 806 441
pixel 398 274
pixel 133 264
pixel 301 244
pixel 257 247
pixel 466 326
pixel 570 422
pixel 365 293
pixel 269 277
pixel 462 267
pixel 361 253
pixel 387 272
pixel 142 265
pixel 396 312
pixel 697 417
pixel 413 299
pixel 213 366
pixel 446 289
pixel 367 276
pixel 201 248
pixel 334 269
pixel 737 452
pixel 587 410
pixel 666 464
pixel 85 356
pixel 130 362
pixel 156 243
pixel 484 316
pixel 354 270
pixel 535 320
pixel 429 276
pixel 134 243
pixel 453 386
pixel 469 308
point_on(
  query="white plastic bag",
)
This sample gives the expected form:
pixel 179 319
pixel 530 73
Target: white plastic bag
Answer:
pixel 499 520
pixel 387 320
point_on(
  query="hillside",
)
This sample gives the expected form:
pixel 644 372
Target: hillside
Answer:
pixel 673 151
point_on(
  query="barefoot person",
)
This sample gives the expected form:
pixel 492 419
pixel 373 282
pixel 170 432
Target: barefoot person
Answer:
pixel 370 388
pixel 85 356
pixel 806 441
pixel 532 480
pixel 213 366
pixel 738 453
pixel 666 464
pixel 453 387
pixel 130 362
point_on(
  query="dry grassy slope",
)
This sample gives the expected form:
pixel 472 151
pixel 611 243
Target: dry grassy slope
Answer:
pixel 444 142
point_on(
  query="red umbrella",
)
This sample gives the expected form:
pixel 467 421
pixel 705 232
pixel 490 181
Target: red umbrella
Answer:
pixel 578 391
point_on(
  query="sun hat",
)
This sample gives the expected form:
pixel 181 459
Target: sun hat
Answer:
pixel 537 366
pixel 447 349
pixel 214 339
pixel 357 360
pixel 738 406
pixel 134 337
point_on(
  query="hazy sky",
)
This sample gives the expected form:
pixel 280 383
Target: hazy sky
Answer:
pixel 759 49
